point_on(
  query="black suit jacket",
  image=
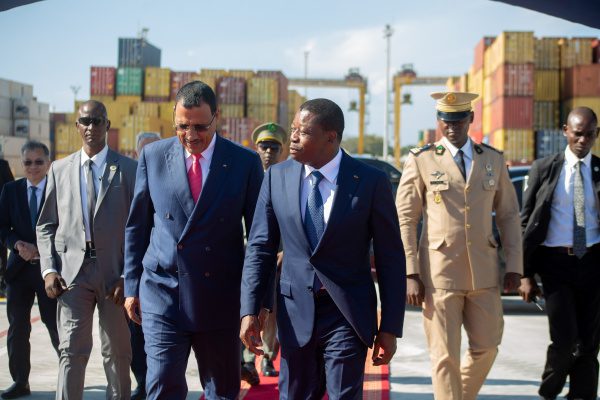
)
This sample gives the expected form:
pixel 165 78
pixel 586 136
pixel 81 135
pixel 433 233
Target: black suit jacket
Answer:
pixel 537 203
pixel 15 223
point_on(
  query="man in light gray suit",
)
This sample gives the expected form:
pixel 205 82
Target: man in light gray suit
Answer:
pixel 80 236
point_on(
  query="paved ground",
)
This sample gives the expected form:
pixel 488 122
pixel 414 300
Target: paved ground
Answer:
pixel 515 375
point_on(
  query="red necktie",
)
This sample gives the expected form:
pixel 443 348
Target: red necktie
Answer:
pixel 195 177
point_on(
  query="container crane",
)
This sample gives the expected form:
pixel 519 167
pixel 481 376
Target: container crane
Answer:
pixel 352 80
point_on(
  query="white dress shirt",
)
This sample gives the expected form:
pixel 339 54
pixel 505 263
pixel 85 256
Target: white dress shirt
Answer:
pixel 205 160
pixel 38 192
pixel 327 186
pixel 560 228
pixel 98 167
pixel 467 154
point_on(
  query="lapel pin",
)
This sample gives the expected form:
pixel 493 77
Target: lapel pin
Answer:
pixel 224 165
pixel 596 169
pixel 113 167
pixel 355 176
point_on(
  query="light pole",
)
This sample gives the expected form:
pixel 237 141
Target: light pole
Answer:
pixel 387 34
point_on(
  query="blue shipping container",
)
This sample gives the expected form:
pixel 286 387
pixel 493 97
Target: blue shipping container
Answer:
pixel 549 142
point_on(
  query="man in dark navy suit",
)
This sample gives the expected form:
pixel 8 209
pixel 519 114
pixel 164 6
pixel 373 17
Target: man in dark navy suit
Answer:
pixel 184 249
pixel 20 204
pixel 326 208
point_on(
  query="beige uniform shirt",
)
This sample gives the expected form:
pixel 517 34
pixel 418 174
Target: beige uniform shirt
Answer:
pixel 457 249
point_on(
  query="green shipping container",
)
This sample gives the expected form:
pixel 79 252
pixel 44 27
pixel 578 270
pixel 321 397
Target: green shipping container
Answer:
pixel 130 81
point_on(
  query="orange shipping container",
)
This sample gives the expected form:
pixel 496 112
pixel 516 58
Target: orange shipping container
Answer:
pixel 512 80
pixel 480 48
pixel 581 81
pixel 512 113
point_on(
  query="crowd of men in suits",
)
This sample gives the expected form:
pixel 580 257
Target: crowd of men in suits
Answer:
pixel 160 243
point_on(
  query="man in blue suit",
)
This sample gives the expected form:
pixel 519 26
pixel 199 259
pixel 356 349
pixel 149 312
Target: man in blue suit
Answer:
pixel 184 249
pixel 327 209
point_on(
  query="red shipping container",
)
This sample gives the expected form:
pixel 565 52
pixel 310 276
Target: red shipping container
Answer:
pixel 112 139
pixel 283 82
pixel 178 79
pixel 102 81
pixel 476 136
pixel 231 90
pixel 238 130
pixel 150 99
pixel 483 44
pixel 581 81
pixel 58 117
pixel 512 113
pixel 477 124
pixel 596 51
pixel 513 80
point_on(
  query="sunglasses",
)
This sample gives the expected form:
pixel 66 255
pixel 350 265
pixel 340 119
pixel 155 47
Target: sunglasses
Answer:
pixel 269 145
pixel 196 127
pixel 29 163
pixel 86 121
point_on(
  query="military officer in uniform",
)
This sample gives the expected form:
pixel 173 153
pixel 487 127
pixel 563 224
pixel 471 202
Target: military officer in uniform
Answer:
pixel 454 185
pixel 269 139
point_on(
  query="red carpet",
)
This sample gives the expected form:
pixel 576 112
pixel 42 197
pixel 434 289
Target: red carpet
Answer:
pixel 376 385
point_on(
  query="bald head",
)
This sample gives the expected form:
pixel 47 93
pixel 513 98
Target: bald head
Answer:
pixel 581 130
pixel 93 105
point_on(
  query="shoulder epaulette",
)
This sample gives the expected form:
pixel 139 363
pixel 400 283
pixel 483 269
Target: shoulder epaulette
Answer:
pixel 491 148
pixel 418 150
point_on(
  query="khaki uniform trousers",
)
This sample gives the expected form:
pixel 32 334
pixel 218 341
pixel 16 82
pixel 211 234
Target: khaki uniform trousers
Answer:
pixel 445 312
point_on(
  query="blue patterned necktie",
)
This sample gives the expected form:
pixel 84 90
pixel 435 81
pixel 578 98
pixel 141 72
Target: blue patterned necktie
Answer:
pixel 33 209
pixel 314 219
pixel 579 238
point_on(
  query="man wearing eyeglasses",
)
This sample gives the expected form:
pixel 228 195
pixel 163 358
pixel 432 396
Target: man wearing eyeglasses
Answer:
pixel 80 235
pixel 184 249
pixel 19 208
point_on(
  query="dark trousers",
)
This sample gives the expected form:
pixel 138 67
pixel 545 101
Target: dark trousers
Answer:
pixel 168 349
pixel 20 295
pixel 572 291
pixel 138 355
pixel 333 359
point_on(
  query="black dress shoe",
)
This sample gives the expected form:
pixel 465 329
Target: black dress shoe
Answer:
pixel 139 393
pixel 267 368
pixel 250 374
pixel 16 390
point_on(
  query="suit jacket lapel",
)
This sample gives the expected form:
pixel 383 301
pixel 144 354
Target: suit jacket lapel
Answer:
pixel 175 161
pixel 596 181
pixel 22 199
pixel 220 165
pixel 111 168
pixel 347 183
pixel 476 165
pixel 75 172
pixel 554 174
pixel 292 185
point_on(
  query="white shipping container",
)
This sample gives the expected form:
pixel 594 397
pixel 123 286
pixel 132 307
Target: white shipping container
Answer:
pixel 20 108
pixel 20 91
pixel 21 128
pixel 10 146
pixel 4 88
pixel 39 130
pixel 39 111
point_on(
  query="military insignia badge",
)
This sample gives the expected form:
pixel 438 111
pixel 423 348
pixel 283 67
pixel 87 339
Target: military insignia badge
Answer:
pixel 439 150
pixel 437 197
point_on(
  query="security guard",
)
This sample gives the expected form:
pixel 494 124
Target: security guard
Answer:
pixel 454 185
pixel 269 139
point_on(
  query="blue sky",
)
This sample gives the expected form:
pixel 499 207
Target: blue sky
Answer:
pixel 52 44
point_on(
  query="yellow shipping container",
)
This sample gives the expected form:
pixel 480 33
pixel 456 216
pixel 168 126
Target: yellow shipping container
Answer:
pixel 262 113
pixel 165 111
pixel 128 99
pixel 209 80
pixel 568 105
pixel 486 119
pixel 547 53
pixel 157 82
pixel 213 73
pixel 66 138
pixel 231 110
pixel 241 73
pixel 262 90
pixel 487 90
pixel 145 109
pixel 102 99
pixel 133 124
pixel 546 85
pixel 59 156
pixel 72 117
pixel 518 145
pixel 450 82
pixel 463 83
pixel 117 111
pixel 575 51
pixel 476 82
pixel 511 48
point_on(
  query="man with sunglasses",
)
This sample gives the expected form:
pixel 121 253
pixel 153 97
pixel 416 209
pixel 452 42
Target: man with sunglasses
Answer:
pixel 80 235
pixel 184 249
pixel 20 203
pixel 453 186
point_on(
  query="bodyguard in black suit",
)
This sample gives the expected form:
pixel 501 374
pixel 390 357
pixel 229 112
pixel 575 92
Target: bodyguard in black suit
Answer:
pixel 5 177
pixel 561 241
pixel 20 203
